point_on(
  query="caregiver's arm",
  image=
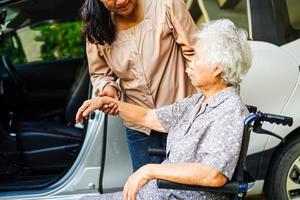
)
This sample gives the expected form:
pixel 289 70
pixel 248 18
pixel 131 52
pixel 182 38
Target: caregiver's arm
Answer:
pixel 129 112
pixel 187 173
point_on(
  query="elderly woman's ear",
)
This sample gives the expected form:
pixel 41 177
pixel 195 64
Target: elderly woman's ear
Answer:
pixel 218 71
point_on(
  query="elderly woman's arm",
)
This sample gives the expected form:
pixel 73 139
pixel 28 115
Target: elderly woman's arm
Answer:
pixel 129 112
pixel 185 173
pixel 139 115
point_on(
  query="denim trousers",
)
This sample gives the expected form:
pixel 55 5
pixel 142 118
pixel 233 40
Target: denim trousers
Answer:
pixel 139 143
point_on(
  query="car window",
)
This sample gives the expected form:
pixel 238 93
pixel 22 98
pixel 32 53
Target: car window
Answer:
pixel 44 42
pixel 294 14
pixel 12 46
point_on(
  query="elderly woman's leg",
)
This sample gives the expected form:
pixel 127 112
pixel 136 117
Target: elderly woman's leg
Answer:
pixel 148 192
pixel 110 196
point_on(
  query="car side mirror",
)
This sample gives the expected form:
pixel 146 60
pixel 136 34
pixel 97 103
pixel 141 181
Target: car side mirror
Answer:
pixel 1 36
pixel 2 16
pixel 2 21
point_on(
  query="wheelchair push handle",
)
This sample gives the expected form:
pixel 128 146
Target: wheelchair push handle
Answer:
pixel 277 119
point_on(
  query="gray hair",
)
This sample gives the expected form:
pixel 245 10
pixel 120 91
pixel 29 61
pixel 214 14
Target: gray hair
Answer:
pixel 226 46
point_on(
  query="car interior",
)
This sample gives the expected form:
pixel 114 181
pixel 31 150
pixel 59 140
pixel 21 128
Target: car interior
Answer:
pixel 39 140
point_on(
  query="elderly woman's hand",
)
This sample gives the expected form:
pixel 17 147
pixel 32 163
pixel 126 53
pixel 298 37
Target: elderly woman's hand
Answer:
pixel 91 105
pixel 136 181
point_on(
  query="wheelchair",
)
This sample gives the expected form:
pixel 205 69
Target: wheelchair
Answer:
pixel 238 186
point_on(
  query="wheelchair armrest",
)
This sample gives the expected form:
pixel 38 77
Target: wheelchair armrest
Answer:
pixel 232 187
pixel 157 151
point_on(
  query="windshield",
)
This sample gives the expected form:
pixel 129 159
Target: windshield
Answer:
pixel 11 14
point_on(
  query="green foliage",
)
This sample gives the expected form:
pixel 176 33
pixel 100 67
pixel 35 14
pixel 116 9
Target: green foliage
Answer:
pixel 57 41
pixel 61 40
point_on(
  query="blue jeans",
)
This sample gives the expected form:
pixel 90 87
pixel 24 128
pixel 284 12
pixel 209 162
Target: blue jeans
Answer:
pixel 138 144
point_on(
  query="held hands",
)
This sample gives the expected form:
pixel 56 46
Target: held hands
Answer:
pixel 112 92
pixel 101 103
pixel 105 101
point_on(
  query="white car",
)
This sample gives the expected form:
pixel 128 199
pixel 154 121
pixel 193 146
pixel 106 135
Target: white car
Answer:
pixel 43 80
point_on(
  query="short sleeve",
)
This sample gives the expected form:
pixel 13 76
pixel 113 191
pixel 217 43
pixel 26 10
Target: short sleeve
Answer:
pixel 223 143
pixel 169 115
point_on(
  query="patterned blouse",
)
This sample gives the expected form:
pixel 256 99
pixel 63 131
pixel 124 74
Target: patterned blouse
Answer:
pixel 211 135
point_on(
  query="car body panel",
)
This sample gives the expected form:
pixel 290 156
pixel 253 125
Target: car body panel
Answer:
pixel 292 109
pixel 269 62
pixel 118 162
pixel 293 48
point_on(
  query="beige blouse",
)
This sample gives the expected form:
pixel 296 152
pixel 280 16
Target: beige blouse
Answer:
pixel 149 59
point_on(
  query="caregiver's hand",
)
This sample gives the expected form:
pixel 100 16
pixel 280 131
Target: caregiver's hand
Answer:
pixel 91 105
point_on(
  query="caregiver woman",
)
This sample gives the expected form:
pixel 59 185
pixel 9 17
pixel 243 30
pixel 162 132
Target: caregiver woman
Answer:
pixel 144 44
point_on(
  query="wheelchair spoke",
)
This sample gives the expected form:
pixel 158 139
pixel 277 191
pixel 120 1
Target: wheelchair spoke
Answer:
pixel 293 180
pixel 297 163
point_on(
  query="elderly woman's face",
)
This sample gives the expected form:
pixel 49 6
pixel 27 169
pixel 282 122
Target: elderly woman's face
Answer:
pixel 201 74
pixel 120 7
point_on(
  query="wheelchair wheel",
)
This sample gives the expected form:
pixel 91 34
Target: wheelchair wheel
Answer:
pixel 283 179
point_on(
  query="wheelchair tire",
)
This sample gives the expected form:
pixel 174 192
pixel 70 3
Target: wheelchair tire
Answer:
pixel 283 178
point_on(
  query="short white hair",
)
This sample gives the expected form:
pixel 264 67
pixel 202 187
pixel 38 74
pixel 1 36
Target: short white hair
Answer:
pixel 226 46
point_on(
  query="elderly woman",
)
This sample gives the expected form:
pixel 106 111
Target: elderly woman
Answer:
pixel 205 130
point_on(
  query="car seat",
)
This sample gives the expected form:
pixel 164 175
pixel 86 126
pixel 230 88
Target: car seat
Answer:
pixel 53 145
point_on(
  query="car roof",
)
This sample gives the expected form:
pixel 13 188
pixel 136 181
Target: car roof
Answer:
pixel 32 11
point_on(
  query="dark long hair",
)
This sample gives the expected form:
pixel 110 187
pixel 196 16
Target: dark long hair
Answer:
pixel 98 26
